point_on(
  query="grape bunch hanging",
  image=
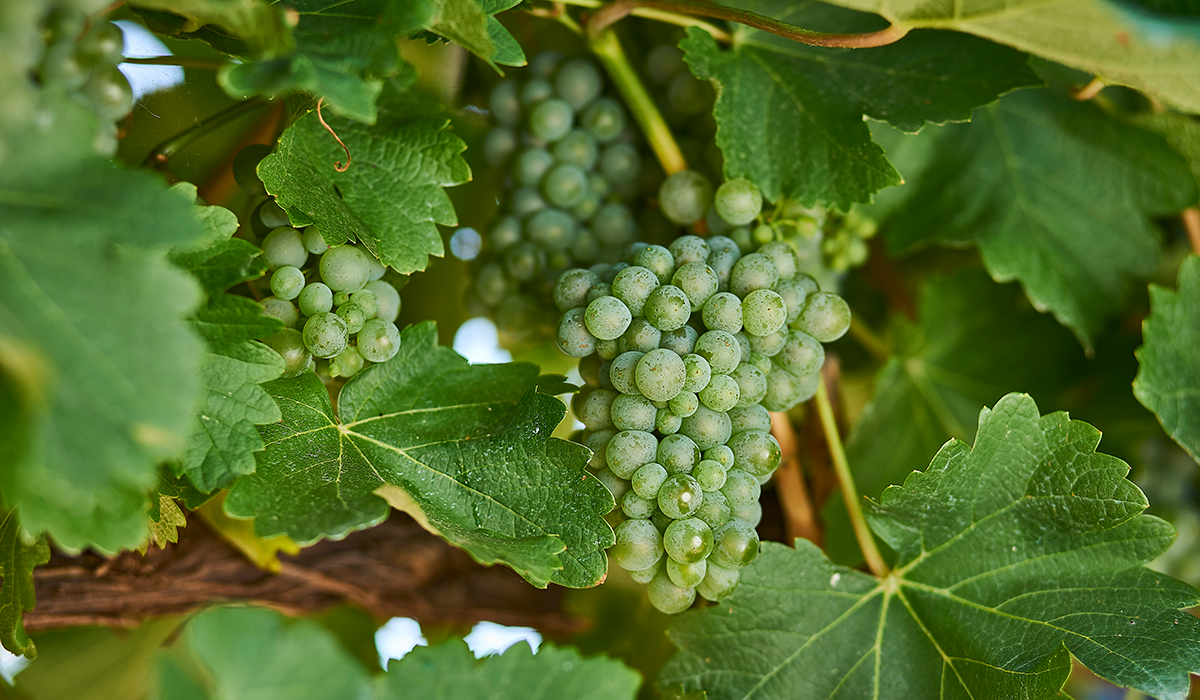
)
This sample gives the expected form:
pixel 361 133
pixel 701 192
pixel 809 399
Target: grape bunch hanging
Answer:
pixel 572 166
pixel 684 350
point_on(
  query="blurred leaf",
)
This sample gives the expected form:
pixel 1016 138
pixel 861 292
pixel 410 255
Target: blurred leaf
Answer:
pixel 263 552
pixel 242 27
pixel 18 557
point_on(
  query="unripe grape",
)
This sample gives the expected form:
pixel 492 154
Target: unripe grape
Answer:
pixel 658 260
pixel 614 225
pixel 109 92
pixel 346 364
pixel 763 312
pixel 738 201
pixel 287 282
pixel 784 257
pixel 366 300
pixel 325 335
pixel 578 83
pixel 617 486
pixel 354 315
pixel 388 299
pixel 660 375
pixel 719 581
pixel 578 148
pixel 721 349
pixel 686 575
pixel 379 340
pixel 685 197
pixel 721 394
pixel 684 404
pixel 536 90
pixel 752 417
pixel 785 390
pixel 595 410
pixel 825 317
pixel 607 318
pixel 281 309
pixel 679 496
pixel 751 382
pixel 604 119
pixel 640 337
pixel 313 242
pixel 666 596
pixel 752 272
pixel 689 249
pixel 565 185
pixel 723 312
pixel 667 423
pixel 698 373
pixel 682 341
pixel 622 372
pixel 283 247
pixel 690 540
pixel 668 308
pixel 551 119
pixel 629 450
pixel 635 507
pixel 678 454
pixel 630 412
pixel 648 479
pixel 698 281
pixel 633 286
pixel 706 427
pixel 345 268
pixel 271 215
pixel 525 200
pixel 645 576
pixel 769 345
pixel 802 354
pixel 638 545
pixel 289 343
pixel 621 162
pixel 735 545
pixel 755 452
pixel 741 488
pixel 505 103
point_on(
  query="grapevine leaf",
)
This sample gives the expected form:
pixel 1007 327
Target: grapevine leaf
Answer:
pixel 254 652
pixel 165 520
pixel 508 51
pixel 390 198
pixel 790 116
pixel 86 293
pixel 1181 131
pixel 344 52
pixel 240 27
pixel 969 347
pixel 1118 41
pixel 469 445
pixel 450 670
pixel 1168 382
pixel 1056 194
pixel 18 557
pixel 1007 553
pixel 466 23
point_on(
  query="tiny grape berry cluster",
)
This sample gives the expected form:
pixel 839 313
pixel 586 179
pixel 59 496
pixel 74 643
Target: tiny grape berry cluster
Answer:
pixel 684 349
pixel 572 164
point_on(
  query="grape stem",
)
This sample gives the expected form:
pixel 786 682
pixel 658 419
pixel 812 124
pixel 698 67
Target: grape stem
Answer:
pixel 866 540
pixel 165 150
pixel 620 8
pixel 798 517
pixel 658 15
pixel 1088 91
pixel 607 48
pixel 868 339
pixel 173 61
pixel 1191 223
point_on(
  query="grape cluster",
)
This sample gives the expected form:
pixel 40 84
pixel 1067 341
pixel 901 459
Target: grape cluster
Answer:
pixel 684 349
pixel 83 62
pixel 572 165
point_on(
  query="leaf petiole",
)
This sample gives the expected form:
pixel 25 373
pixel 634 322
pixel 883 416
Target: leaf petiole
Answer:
pixel 164 151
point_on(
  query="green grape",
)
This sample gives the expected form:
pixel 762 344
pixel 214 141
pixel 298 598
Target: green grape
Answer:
pixel 685 403
pixel 617 486
pixel 586 246
pixel 721 454
pixel 551 228
pixel 719 582
pixel 751 382
pixel 578 148
pixel 751 272
pixel 315 298
pixel 621 162
pixel 680 496
pixel 721 349
pixel 570 291
pixel 629 450
pixel 686 575
pixel 109 92
pixel 525 201
pixel 689 540
pixel 525 261
pixel 752 417
pixel 698 373
pixel 784 256
pixel 245 168
pixel 706 427
pixel 578 82
pixel 633 286
pixel 325 335
pixel 599 185
pixel 272 216
pixel 287 282
pixel 565 185
pixel 62 68
pixel 387 298
pixel 698 281
pixel 638 545
pixel 536 90
pixel 504 102
pixel 499 144
pixel 721 394
pixel 802 354
pixel 785 390
pixel 289 343
pixel 103 44
pixel 284 247
pixel 738 201
pixel 614 225
pixel 551 119
pixel 761 361
pixel 345 268
pixel 723 312
pixel 648 479
pixel 807 282
pixel 682 341
pixel 545 63
pixel 630 412
pixel 664 62
pixel 667 423
pixel 826 317
pixel 572 334
pixel 665 596
pixel 659 375
pixel 714 511
pixel 793 295
pixel 645 576
pixel 366 300
pixel 755 451
pixel 763 312
pixel 689 249
pixel 623 370
pixel 346 363
pixel 604 119
pixel 283 310
pixel 678 454
pixel 740 489
pixel 314 242
pixel 667 308
pixel 723 255
pixel 505 232
pixel 635 507
pixel 597 442
pixel 763 234
pixel 744 344
pixel 600 290
pixel 531 166
pixel 607 318
pixel 607 349
pixel 379 340
pixel 640 337
pixel 735 545
pixel 658 260
pixel 595 411
pixel 685 197
pixel 751 514
pixel 769 344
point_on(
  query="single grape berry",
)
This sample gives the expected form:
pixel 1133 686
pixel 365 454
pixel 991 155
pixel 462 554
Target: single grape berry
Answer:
pixel 551 119
pixel 607 318
pixel 347 363
pixel 668 597
pixel 314 242
pixel 354 316
pixel 325 335
pixel 289 343
pixel 281 309
pixel 345 268
pixel 388 299
pixel 379 340
pixel 825 317
pixel 638 545
pixel 604 119
pixel 660 375
pixel 282 247
pixel 287 282
pixel 680 496
pixel 763 312
pixel 315 298
pixel 690 540
pixel 685 197
pixel 578 83
pixel 738 201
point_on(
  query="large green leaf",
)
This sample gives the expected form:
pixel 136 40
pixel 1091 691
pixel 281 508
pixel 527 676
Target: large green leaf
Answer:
pixel 467 449
pixel 1008 552
pixel 1122 43
pixel 88 300
pixel 18 557
pixel 242 27
pixel 1181 131
pixel 449 670
pixel 1056 194
pixel 1168 382
pixel 790 116
pixel 390 198
pixel 507 51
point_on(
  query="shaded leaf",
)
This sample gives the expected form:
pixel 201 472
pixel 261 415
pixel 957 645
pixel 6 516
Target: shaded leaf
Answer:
pixel 1010 555
pixel 465 23
pixel 263 552
pixel 18 557
pixel 241 27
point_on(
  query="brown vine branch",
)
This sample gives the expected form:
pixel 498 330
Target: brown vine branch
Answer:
pixel 1191 223
pixel 337 164
pixel 619 9
pixel 799 520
